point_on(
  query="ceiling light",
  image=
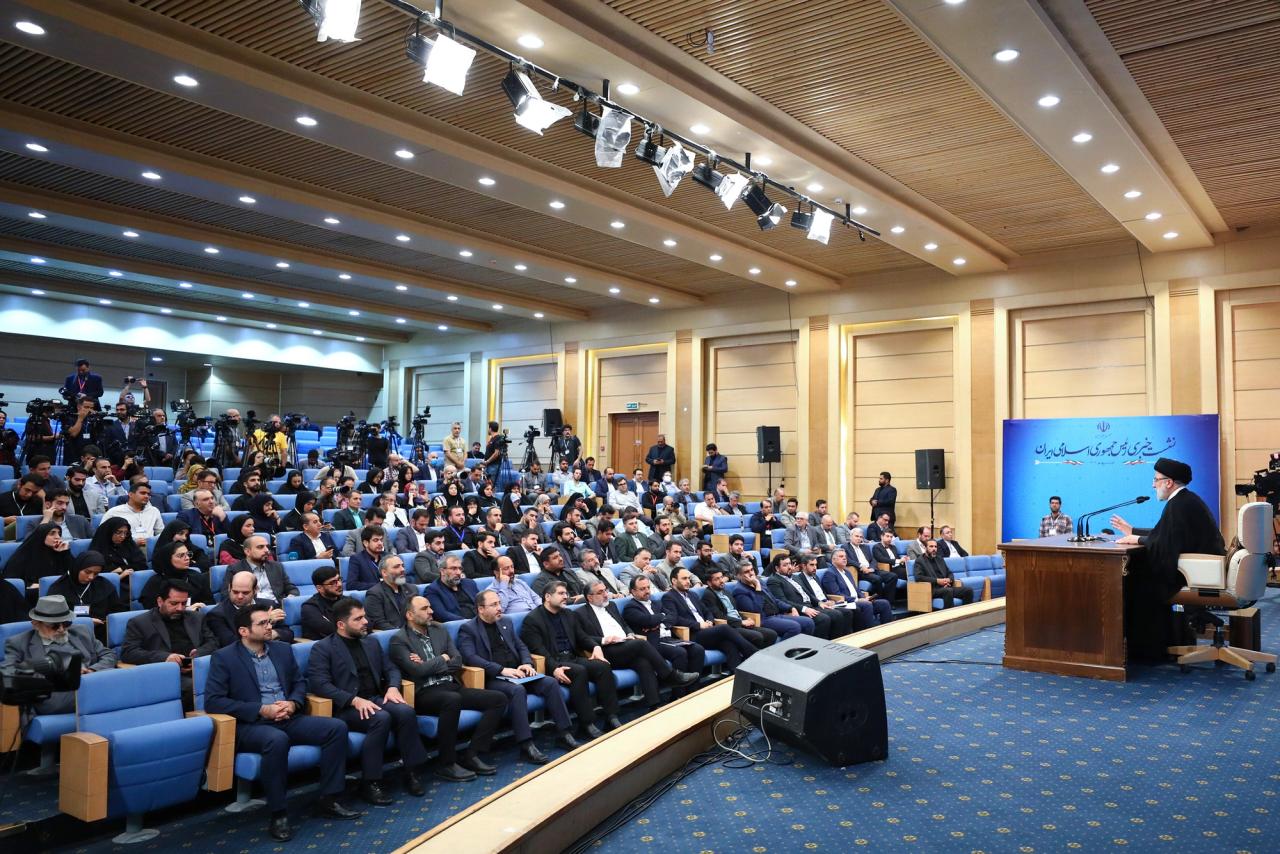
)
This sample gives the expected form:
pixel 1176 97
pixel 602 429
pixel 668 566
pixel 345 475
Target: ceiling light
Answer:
pixel 36 147
pixel 556 204
pixel 929 247
pixel 486 181
pixel 401 320
pixel 304 305
pixel 151 176
pixel 333 220
pixel 465 253
pixel 316 332
pixel 30 28
pixel 452 298
pixel 617 223
pixel 764 160
pixel 104 302
pixel 306 121
pixel 35 260
pixel 402 287
pixel 1008 54
pixel 283 265
pixel 814 187
pixel 628 88
pixel 185 285
pixel 403 238
pixel 497 306
pixel 717 257
pixel 157 358
pixel 953 2
pixel 959 262
pixel 129 233
pixel 208 364
pixel 335 19
pixel 249 200
pixel 700 129
pixel 353 313
pixel 1082 137
pixel 529 40
pixel 1110 169
pixel 271 326
pixel 755 271
pixel 570 280
pixel 520 267
pixel 1170 235
pixel 615 290
pixel 442 328
pixel 1133 194
pixel 37 293
pixel 115 274
pixel 360 338
pixel 246 295
pixel 221 319
pixel 1153 216
pixel 346 277
pixel 445 62
pixel 185 80
pixel 668 242
pixel 166 311
pixel 653 300
pixel 897 229
pixel 36 215
pixel 1049 101
pixel 859 210
pixel 538 315
pixel 532 113
pixel 791 283
pixel 404 154
pixel 768 213
pixel 211 250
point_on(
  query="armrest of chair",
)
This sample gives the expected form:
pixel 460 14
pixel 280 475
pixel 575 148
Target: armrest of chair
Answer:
pixel 473 677
pixel 220 769
pixel 754 617
pixel 82 776
pixel 919 597
pixel 124 665
pixel 408 691
pixel 1204 571
pixel 835 597
pixel 10 728
pixel 986 588
pixel 539 663
pixel 883 567
pixel 720 622
pixel 681 632
pixel 320 707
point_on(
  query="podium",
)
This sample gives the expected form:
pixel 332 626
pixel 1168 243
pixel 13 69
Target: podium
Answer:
pixel 1064 607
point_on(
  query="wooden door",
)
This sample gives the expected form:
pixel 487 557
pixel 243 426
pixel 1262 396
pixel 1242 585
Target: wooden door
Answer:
pixel 631 435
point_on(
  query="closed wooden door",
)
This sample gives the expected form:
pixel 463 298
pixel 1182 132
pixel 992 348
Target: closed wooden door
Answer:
pixel 632 434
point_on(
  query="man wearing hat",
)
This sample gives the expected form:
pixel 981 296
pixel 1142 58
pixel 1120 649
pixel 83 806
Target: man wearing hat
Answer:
pixel 52 630
pixel 1186 526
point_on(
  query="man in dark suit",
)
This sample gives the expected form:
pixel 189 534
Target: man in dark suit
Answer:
pixel 481 561
pixel 947 546
pixel 840 581
pixel 490 642
pixel 685 608
pixel 455 531
pixel 843 621
pixel 206 517
pixel 885 553
pixel 525 555
pixel 305 542
pixel 885 497
pixel 604 627
pixel 362 569
pixel 661 458
pixel 167 632
pixel 599 544
pixel 753 597
pixel 720 605
pixel 348 667
pixel 878 527
pixel 424 653
pixel 416 536
pixel 351 517
pixel 788 593
pixel 83 382
pixel 551 631
pixel 426 566
pixel 52 630
pixel 452 596
pixel 714 468
pixel 554 570
pixel 646 618
pixel 256 681
pixel 932 568
pixel 317 612
pixel 883 582
pixel 273 581
pixel 219 628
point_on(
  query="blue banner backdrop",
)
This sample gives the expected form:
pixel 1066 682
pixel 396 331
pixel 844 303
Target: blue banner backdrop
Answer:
pixel 1097 462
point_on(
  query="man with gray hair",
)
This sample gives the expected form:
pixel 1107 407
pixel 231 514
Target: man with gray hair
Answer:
pixel 219 626
pixel 52 630
pixel 386 602
pixel 592 571
pixel 273 582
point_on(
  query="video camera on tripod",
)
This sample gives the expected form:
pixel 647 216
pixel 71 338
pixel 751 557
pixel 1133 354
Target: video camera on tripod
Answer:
pixel 185 418
pixel 1266 483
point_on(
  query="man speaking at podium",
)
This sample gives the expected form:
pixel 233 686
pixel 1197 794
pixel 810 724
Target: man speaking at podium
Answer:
pixel 1186 526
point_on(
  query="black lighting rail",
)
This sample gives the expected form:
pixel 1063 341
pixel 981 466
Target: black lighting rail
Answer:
pixel 436 19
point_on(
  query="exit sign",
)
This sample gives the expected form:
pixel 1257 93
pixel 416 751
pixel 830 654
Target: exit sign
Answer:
pixel 633 405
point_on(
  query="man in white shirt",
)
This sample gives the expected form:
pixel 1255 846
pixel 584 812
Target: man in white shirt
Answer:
pixel 883 582
pixel 621 496
pixel 841 582
pixel 706 512
pixel 649 621
pixel 102 488
pixel 144 520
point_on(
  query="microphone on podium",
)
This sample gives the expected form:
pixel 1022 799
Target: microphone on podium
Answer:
pixel 1082 523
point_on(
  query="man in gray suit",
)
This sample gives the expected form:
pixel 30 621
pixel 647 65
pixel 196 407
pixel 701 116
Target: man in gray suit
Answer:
pixel 57 504
pixel 273 584
pixel 917 547
pixel 52 631
pixel 801 539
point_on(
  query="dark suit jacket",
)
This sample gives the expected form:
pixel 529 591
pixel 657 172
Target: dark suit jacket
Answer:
pixel 192 518
pixel 931 569
pixel 716 608
pixel 317 619
pixel 146 641
pixel 281 586
pixel 343 520
pixel 232 687
pixel 539 635
pixel 640 621
pixel 331 672
pixel 385 607
pixel 951 549
pixel 405 643
pixel 677 610
pixel 661 460
pixel 590 623
pixel 473 643
pixel 831 584
pixel 362 571
pixel 879 554
pixel 444 604
pixel 92 385
pixel 219 627
pixel 302 545
pixel 520 558
pixel 785 593
pixel 759 601
pixel 407 540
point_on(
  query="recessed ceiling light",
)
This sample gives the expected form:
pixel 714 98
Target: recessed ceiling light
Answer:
pixel 1049 101
pixel 451 298
pixel 755 271
pixel 538 315
pixel 151 176
pixel 1082 137
pixel 897 229
pixel 1170 235
pixel 37 293
pixel 556 204
pixel 166 311
pixel 246 295
pixel 959 262
pixel 668 242
pixel 791 283
pixel 346 277
pixel 764 160
pixel 401 320
pixel 404 154
pixel 859 210
pixel 1008 54
pixel 699 129
pixel 717 257
pixel 212 250
pixel 333 220
pixel 185 285
pixel 249 200
pixel 271 326
pixel 353 313
pixel 316 332
pixel 36 215
pixel 570 280
pixel 129 233
pixel 304 305
pixel 442 328
pixel 185 80
pixel 157 358
pixel 403 238
pixel 35 260
pixel 115 274
pixel 31 29
pixel 628 88
pixel 486 181
pixel 530 41
pixel 814 187
pixel 1133 194
pixel 402 287
pixel 521 267
pixel 615 290
pixel 617 223
pixel 36 147
pixel 208 364
pixel 306 121
pixel 653 300
pixel 465 253
pixel 1153 216
pixel 930 246
pixel 1110 169
pixel 283 265
pixel 221 319
pixel 104 302
pixel 497 306
pixel 360 338
pixel 953 2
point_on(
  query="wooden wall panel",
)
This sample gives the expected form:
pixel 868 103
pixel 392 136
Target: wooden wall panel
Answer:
pixel 754 385
pixel 641 379
pixel 1085 365
pixel 1256 379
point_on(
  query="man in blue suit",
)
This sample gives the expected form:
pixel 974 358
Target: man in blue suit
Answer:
pixel 491 643
pixel 754 597
pixel 687 609
pixel 84 382
pixel 452 596
pixel 840 581
pixel 257 682
pixel 362 571
pixel 349 668
pixel 313 531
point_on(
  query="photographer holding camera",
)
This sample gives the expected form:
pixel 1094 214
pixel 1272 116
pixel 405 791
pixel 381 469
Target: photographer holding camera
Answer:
pixel 38 437
pixel 273 440
pixel 495 452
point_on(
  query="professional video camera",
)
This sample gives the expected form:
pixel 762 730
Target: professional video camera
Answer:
pixel 185 415
pixel 1266 483
pixel 39 407
pixel 37 679
pixel 3 403
pixel 292 421
pixel 532 433
pixel 420 420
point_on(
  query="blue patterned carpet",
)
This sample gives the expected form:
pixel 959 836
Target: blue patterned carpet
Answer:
pixel 983 758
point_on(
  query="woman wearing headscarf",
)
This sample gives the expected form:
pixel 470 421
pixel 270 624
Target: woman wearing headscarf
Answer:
pixel 511 511
pixel 487 497
pixel 304 503
pixel 191 483
pixel 83 588
pixel 373 482
pixel 13 605
pixel 120 553
pixel 42 553
pixel 172 562
pixel 471 510
pixel 266 516
pixel 181 531
pixel 543 505
pixel 293 483
pixel 232 548
pixel 190 459
pixel 452 495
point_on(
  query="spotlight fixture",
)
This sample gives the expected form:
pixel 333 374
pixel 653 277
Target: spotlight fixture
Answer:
pixel 649 151
pixel 801 220
pixel 346 277
pixel 37 215
pixel 1153 216
pixel 486 181
pixel 1109 169
pixel 442 328
pixel 186 285
pixel 537 315
pixel 1008 54
pixel 520 268
pixel 402 287
pixel 1133 194
pixel 130 233
pixel 1082 137
pixel 628 88
pixel 768 213
pixel 185 80
pixel 445 62
pixel 37 148
pixel 166 311
pixel 791 283
pixel 335 19
pixel 532 113
pixel 1170 235
pixel 332 220
pixel 570 280
pixel 306 121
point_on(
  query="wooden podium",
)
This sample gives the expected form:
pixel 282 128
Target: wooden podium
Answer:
pixel 1064 607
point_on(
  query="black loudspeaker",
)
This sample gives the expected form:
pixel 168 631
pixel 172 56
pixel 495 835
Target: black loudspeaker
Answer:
pixel 823 696
pixel 551 420
pixel 931 472
pixel 768 445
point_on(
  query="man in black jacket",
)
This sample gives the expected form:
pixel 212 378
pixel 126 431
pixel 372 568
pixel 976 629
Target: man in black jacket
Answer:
pixel 317 612
pixel 425 654
pixel 787 591
pixel 720 604
pixel 661 458
pixel 647 619
pixel 167 632
pixel 932 568
pixel 685 608
pixel 885 498
pixel 551 631
pixel 947 546
pixel 219 627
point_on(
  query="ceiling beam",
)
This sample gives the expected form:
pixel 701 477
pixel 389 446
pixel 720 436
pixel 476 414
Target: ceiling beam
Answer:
pixel 65 205
pixel 593 205
pixel 175 273
pixel 262 185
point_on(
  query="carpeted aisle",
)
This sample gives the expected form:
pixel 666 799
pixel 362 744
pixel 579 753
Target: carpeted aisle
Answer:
pixel 988 759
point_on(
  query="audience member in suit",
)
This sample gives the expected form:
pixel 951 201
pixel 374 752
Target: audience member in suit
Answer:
pixel 480 561
pixel 819 510
pixel 172 562
pixel 640 566
pixel 720 605
pixel 167 632
pixel 52 630
pixel 840 581
pixel 646 618
pixel 362 569
pixel 525 554
pixel 603 624
pixel 351 517
pixel 273 581
pixel 564 539
pixel 878 527
pixel 387 601
pixel 932 568
pixel 87 595
pixel 554 570
pixel 424 654
pixel 631 540
pixel 317 612
pixel 314 542
pixel 453 597
pixel 915 548
pixel 688 538
pixel 843 620
pixel 426 566
pixel 416 536
pixel 788 593
pixel 764 520
pixel 206 517
pixel 348 667
pixel 883 582
pixel 947 546
pixel 885 497
pixel 491 643
pixel 257 682
pixel 455 530
pixel 685 608
pixel 528 522
pixel 552 632
pixel 732 559
pixel 219 626
pixel 591 570
pixel 885 552
pixel 599 545
pixel 802 540
pixel 751 596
